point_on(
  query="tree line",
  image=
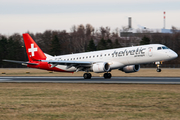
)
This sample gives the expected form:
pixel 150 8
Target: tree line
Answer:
pixel 82 38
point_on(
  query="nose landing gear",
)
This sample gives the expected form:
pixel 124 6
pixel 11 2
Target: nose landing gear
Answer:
pixel 158 66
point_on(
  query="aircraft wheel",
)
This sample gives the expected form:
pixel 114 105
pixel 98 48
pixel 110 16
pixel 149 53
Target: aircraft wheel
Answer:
pixel 158 70
pixel 87 75
pixel 107 75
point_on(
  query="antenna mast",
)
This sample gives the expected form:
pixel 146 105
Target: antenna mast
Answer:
pixel 164 20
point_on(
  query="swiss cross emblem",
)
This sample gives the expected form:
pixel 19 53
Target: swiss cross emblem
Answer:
pixel 32 50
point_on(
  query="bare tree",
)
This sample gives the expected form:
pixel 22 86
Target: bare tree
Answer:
pixel 73 29
pixel 103 32
pixel 89 30
pixel 44 40
pixel 175 29
pixel 125 29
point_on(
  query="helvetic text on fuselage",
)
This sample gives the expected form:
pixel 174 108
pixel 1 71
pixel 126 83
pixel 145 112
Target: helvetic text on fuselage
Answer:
pixel 139 52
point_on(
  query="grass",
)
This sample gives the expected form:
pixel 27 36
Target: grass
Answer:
pixel 57 101
pixel 144 72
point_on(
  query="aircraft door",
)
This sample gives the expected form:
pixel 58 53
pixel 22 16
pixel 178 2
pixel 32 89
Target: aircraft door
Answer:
pixel 150 51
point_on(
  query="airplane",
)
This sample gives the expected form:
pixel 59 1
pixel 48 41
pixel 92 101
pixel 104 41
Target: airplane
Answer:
pixel 127 59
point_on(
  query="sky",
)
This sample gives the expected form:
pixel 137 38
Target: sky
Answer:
pixel 20 16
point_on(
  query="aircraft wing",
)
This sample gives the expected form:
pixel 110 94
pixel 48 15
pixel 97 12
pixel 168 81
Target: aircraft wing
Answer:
pixel 80 65
pixel 21 62
pixel 69 64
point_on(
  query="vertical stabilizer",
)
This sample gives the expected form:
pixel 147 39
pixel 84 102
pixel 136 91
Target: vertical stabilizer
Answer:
pixel 32 49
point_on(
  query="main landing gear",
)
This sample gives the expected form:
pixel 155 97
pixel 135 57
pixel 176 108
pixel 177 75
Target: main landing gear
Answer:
pixel 158 66
pixel 107 75
pixel 88 75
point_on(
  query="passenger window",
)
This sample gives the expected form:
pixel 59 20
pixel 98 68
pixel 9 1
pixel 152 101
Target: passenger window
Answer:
pixel 108 54
pixel 97 55
pixel 159 48
pixel 104 54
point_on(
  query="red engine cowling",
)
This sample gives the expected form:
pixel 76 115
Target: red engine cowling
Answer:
pixel 130 68
pixel 100 67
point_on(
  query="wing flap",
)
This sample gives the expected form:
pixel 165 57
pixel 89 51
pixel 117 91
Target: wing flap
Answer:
pixel 69 64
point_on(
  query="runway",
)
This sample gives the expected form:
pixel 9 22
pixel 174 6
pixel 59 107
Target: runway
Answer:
pixel 113 80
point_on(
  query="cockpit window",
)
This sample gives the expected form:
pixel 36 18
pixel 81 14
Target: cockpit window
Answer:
pixel 159 48
pixel 164 47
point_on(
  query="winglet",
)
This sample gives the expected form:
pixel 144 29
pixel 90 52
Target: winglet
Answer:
pixel 32 49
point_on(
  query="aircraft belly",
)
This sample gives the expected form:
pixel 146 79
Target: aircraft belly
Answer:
pixel 64 67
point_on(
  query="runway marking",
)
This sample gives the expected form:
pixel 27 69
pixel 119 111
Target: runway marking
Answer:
pixel 115 80
pixel 4 79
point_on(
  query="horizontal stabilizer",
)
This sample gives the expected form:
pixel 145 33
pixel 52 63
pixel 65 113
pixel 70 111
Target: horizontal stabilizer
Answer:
pixel 21 62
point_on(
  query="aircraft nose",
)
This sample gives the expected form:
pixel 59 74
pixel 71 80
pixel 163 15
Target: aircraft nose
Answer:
pixel 174 54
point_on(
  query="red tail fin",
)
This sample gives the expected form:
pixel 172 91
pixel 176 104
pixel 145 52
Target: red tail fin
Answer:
pixel 32 49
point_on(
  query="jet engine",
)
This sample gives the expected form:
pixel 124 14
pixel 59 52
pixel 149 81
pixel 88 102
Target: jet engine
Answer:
pixel 130 68
pixel 100 67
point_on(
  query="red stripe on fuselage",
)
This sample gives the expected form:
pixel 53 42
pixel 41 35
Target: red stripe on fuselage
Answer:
pixel 45 66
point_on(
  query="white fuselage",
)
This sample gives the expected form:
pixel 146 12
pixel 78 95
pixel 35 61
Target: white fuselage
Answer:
pixel 120 57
